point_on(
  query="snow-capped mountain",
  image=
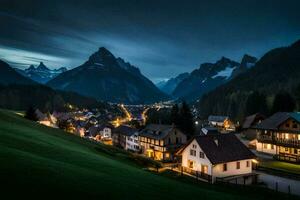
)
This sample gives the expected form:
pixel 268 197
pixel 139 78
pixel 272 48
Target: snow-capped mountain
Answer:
pixel 41 73
pixel 209 76
pixel 169 85
pixel 105 77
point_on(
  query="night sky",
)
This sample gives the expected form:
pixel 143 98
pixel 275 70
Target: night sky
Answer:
pixel 162 38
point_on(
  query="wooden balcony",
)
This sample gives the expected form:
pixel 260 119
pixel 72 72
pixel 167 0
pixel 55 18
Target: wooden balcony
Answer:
pixel 288 157
pixel 197 174
pixel 279 141
pixel 291 142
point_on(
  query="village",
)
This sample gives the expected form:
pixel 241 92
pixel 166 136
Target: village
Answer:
pixel 220 151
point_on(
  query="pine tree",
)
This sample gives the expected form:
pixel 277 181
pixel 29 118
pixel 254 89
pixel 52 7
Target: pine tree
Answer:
pixel 283 102
pixel 186 121
pixel 175 114
pixel 256 103
pixel 30 114
pixel 297 93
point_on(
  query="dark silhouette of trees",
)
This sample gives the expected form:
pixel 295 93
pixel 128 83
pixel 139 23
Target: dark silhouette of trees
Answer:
pixel 30 114
pixel 175 114
pixel 283 102
pixel 186 121
pixel 256 103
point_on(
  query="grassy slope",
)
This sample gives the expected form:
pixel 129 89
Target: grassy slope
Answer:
pixel 38 161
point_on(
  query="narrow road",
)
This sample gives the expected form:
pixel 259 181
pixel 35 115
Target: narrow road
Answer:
pixel 283 183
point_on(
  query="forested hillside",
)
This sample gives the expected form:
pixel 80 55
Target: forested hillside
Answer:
pixel 275 76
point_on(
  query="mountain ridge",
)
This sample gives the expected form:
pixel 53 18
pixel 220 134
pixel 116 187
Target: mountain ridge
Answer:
pixel 105 77
pixel 41 74
pixel 277 70
pixel 207 77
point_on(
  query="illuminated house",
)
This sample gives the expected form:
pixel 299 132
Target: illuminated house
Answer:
pixel 101 132
pixel 222 122
pixel 219 156
pixel 126 137
pixel 279 135
pixel 161 141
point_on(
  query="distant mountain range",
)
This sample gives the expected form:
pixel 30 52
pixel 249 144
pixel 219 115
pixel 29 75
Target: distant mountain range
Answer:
pixel 278 70
pixel 105 77
pixel 9 76
pixel 41 73
pixel 190 86
pixel 169 86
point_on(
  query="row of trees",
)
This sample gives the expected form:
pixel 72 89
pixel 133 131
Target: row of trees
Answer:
pixel 258 103
pixel 180 115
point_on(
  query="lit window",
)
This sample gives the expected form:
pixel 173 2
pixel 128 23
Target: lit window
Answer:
pixel 265 146
pixel 272 146
pixel 286 149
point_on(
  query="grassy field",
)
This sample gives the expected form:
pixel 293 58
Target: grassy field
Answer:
pixel 281 166
pixel 44 163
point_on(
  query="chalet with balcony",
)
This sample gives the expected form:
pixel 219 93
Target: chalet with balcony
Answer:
pixel 279 135
pixel 223 123
pixel 161 141
pixel 216 157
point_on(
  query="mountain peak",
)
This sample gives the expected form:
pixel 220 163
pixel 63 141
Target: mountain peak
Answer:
pixel 248 61
pixel 42 67
pixel 31 67
pixel 101 56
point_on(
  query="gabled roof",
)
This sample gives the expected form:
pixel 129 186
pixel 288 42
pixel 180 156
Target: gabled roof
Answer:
pixel 217 118
pixel 125 130
pixel 156 131
pixel 250 120
pixel 273 122
pixel 209 131
pixel 222 148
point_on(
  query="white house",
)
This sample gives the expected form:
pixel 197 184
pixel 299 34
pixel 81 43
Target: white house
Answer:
pixel 127 138
pixel 218 157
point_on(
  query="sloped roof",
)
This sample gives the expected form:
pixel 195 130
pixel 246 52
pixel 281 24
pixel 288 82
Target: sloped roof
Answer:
pixel 209 131
pixel 277 119
pixel 250 120
pixel 217 118
pixel 156 131
pixel 228 148
pixel 125 130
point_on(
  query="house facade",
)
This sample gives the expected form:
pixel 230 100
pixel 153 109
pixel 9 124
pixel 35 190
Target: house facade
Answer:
pixel 220 156
pixel 127 138
pixel 221 122
pixel 279 135
pixel 159 142
pixel 250 122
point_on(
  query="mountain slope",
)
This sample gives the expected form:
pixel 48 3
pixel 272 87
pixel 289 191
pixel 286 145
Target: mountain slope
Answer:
pixel 37 161
pixel 206 78
pixel 9 76
pixel 277 70
pixel 110 79
pixel 41 73
pixel 169 86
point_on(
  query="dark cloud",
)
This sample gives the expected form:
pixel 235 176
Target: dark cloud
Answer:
pixel 163 38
